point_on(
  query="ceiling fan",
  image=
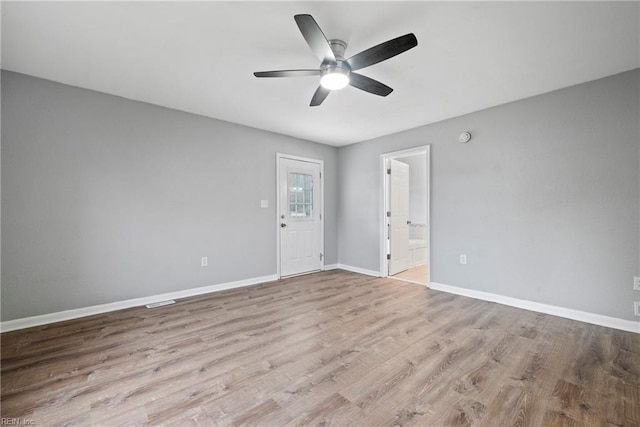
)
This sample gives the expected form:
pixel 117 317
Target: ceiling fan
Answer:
pixel 335 71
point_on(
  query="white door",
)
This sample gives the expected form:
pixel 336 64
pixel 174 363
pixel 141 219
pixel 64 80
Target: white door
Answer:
pixel 399 219
pixel 299 217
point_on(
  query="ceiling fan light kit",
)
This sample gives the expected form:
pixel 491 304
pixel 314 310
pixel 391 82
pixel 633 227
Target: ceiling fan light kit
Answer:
pixel 336 72
pixel 334 79
pixel 335 76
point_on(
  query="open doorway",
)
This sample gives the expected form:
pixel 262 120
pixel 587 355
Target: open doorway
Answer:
pixel 405 233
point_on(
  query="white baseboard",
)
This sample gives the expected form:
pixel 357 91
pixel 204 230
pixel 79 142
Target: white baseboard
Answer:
pixel 582 316
pixel 28 322
pixel 358 270
pixel 568 313
pixel 330 267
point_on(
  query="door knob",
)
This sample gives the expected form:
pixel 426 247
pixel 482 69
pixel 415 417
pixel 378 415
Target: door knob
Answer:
pixel 283 225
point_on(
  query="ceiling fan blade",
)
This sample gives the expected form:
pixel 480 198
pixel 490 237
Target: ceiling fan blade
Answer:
pixel 287 73
pixel 369 85
pixel 383 51
pixel 319 96
pixel 315 37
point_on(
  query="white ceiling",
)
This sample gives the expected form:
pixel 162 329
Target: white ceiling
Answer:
pixel 199 57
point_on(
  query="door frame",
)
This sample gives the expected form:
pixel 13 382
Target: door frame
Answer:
pixel 280 156
pixel 384 202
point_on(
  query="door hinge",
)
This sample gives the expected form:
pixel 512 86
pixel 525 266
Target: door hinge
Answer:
pixel 388 213
pixel 320 217
pixel 321 256
pixel 389 171
pixel 320 175
pixel 388 256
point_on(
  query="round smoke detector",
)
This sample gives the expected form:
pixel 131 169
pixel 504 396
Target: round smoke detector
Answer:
pixel 464 137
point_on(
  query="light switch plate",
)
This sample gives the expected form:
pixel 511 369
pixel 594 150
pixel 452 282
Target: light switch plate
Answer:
pixel 264 204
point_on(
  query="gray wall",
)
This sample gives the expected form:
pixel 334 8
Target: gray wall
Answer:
pixel 544 200
pixel 106 199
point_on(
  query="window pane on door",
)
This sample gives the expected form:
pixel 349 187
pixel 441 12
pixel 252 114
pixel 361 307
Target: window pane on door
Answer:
pixel 300 195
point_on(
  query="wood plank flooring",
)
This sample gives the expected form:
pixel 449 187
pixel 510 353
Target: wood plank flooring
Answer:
pixel 330 349
pixel 417 274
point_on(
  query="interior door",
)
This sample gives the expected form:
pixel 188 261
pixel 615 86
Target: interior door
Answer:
pixel 299 217
pixel 399 218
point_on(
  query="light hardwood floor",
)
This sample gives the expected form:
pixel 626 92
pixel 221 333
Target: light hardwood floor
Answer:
pixel 333 348
pixel 417 274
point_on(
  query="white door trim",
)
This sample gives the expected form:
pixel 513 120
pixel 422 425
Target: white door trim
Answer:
pixel 384 191
pixel 280 156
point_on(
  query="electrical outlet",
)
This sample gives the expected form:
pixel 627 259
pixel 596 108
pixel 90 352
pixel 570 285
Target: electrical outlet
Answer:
pixel 204 261
pixel 264 204
pixel 463 259
pixel 636 308
pixel 636 283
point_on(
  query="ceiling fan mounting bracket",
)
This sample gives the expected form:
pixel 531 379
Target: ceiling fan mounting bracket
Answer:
pixel 338 47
